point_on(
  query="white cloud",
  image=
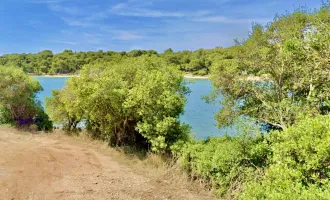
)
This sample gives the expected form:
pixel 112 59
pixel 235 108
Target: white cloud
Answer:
pixel 119 6
pixel 92 35
pixel 65 42
pixel 223 19
pixel 97 16
pixel 126 10
pixel 65 9
pixel 126 35
pixel 77 23
pixel 44 1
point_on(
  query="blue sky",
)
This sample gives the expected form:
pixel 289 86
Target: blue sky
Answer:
pixel 91 25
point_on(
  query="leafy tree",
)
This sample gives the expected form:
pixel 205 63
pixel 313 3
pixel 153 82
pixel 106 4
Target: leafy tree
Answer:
pixel 64 107
pixel 134 102
pixel 18 102
pixel 18 93
pixel 280 73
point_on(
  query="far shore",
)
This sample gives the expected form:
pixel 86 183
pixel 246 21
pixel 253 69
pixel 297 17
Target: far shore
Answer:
pixel 54 76
pixel 190 76
pixel 187 76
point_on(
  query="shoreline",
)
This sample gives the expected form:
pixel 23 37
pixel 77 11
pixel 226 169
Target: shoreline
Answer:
pixel 187 76
pixel 54 76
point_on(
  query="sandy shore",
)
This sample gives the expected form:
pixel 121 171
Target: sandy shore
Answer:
pixel 190 76
pixel 187 76
pixel 54 76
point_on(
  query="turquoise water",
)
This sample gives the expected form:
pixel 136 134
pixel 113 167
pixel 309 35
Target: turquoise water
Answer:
pixel 49 84
pixel 198 114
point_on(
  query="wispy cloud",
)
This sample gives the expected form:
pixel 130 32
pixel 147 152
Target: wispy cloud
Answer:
pixel 126 35
pixel 77 22
pixel 65 42
pixel 130 10
pixel 78 17
pixel 223 19
pixel 44 1
pixel 65 9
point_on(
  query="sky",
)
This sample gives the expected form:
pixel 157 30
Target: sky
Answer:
pixel 30 26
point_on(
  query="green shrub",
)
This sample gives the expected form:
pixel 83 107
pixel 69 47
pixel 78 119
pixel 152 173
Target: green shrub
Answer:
pixel 300 165
pixel 4 116
pixel 226 162
pixel 43 121
pixel 201 72
pixel 18 103
pixel 135 102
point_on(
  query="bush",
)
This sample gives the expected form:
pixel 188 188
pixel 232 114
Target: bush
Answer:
pixel 225 163
pixel 18 104
pixel 136 102
pixel 4 116
pixel 202 72
pixel 300 165
pixel 43 121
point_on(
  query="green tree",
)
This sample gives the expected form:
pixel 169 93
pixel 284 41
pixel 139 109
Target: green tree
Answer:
pixel 280 73
pixel 134 102
pixel 18 102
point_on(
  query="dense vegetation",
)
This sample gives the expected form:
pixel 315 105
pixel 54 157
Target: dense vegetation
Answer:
pixel 136 102
pixel 278 77
pixel 18 103
pixel 291 56
pixel 69 62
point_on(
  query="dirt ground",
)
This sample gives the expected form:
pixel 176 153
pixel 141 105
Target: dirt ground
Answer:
pixel 45 167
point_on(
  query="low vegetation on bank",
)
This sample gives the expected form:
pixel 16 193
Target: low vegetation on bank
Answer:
pixel 135 102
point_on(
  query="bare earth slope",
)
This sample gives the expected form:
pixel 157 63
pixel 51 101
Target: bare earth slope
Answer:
pixel 50 167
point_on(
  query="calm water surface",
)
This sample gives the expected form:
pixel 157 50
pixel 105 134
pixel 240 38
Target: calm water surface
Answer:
pixel 198 114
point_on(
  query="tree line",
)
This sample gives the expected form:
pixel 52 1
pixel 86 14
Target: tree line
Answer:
pixel 69 62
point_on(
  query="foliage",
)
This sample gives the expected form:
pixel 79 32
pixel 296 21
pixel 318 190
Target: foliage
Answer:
pixel 46 62
pixel 64 107
pixel 299 166
pixel 280 72
pixel 133 102
pixel 201 72
pixel 18 104
pixel 42 120
pixel 4 115
pixel 226 162
pixel 17 94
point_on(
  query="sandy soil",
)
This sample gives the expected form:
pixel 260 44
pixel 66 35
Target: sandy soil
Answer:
pixel 52 167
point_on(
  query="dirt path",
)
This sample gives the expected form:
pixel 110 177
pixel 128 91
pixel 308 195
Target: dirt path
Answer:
pixel 49 167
